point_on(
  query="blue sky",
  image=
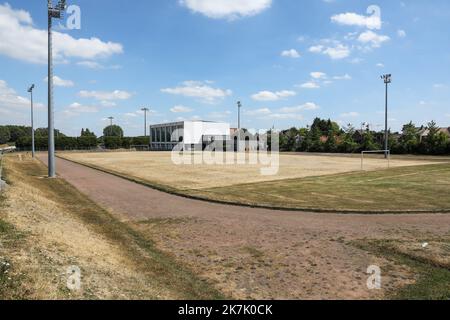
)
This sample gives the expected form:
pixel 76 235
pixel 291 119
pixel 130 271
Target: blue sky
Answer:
pixel 288 61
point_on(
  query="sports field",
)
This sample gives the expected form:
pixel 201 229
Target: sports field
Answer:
pixel 328 182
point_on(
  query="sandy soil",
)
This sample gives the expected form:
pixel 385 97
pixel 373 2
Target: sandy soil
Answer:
pixel 157 167
pixel 256 253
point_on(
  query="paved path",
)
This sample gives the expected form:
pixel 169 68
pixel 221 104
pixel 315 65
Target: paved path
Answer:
pixel 305 252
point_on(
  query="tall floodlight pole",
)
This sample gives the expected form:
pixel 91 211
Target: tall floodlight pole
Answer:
pixel 57 13
pixel 145 120
pixel 239 104
pixel 30 90
pixel 387 78
pixel 110 125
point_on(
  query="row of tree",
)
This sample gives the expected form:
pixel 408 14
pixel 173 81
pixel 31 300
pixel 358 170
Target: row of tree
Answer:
pixel 328 136
pixel 12 134
pixel 113 139
pixel 321 136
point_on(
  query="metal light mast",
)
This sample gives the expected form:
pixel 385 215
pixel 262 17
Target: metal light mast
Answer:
pixel 30 90
pixel 239 104
pixel 145 120
pixel 57 13
pixel 110 126
pixel 387 78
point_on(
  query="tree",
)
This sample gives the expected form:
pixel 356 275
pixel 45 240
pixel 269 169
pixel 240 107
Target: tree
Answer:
pixel 435 142
pixel 348 143
pixel 369 143
pixel 43 132
pixel 87 133
pixel 409 141
pixel 5 135
pixel 113 131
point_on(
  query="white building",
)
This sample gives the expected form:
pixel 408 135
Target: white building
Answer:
pixel 193 135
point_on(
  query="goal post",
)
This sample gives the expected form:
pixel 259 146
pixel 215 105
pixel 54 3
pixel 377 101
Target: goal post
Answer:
pixel 387 152
pixel 140 147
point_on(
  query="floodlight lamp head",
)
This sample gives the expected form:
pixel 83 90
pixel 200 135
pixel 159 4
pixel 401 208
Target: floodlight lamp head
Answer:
pixel 31 88
pixel 387 78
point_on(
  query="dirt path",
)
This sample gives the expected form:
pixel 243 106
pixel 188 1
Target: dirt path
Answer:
pixel 257 253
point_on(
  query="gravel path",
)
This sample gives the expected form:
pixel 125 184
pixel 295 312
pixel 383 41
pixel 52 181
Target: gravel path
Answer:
pixel 258 253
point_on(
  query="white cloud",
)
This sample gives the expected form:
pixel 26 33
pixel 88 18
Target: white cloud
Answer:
pixel 106 95
pixel 181 109
pixel 318 75
pixel 219 115
pixel 310 85
pixel 291 54
pixel 198 89
pixel 380 65
pixel 227 9
pixel 309 106
pixel 373 38
pixel 58 82
pixel 350 115
pixel 79 108
pixel 96 66
pixel 258 112
pixel 22 41
pixel 10 100
pixel 354 19
pixel 273 96
pixel 401 33
pixel 344 77
pixel 335 51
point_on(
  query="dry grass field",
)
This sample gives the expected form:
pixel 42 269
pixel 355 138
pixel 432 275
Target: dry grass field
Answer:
pixel 47 226
pixel 310 182
pixel 158 168
pixel 185 249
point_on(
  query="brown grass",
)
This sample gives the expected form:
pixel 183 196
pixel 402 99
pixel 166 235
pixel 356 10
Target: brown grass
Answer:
pixel 158 168
pixel 61 228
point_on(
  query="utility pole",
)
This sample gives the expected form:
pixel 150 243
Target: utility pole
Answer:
pixel 57 13
pixel 239 114
pixel 111 126
pixel 145 120
pixel 239 104
pixel 387 78
pixel 30 90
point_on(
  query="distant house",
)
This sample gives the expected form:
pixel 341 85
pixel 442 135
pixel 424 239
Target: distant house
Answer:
pixel 424 132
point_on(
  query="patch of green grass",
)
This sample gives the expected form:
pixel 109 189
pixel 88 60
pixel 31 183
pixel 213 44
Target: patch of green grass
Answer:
pixel 165 221
pixel 433 282
pixel 10 283
pixel 398 189
pixel 161 268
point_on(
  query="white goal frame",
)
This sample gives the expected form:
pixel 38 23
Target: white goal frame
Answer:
pixel 373 152
pixel 143 146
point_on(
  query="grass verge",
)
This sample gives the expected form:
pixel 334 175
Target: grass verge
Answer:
pixel 433 278
pixel 161 271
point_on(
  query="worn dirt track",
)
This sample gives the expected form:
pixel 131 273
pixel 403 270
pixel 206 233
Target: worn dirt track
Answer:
pixel 258 253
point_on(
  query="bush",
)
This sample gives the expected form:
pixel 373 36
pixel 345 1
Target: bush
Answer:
pixel 113 143
pixel 5 135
